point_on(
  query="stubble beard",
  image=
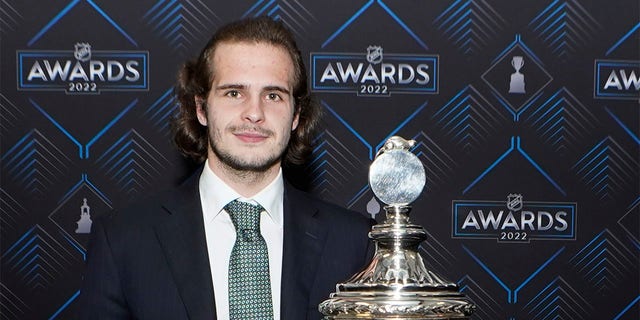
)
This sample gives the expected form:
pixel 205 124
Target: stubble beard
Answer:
pixel 245 166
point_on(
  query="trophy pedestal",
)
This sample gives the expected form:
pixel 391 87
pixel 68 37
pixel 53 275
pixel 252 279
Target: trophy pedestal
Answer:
pixel 405 309
pixel 396 284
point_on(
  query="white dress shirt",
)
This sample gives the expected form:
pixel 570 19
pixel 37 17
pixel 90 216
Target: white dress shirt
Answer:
pixel 221 234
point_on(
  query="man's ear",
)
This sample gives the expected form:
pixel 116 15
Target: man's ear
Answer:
pixel 201 110
pixel 296 117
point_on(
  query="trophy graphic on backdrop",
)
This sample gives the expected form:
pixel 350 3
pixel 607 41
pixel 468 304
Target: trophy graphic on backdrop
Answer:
pixel 516 85
pixel 396 284
pixel 84 224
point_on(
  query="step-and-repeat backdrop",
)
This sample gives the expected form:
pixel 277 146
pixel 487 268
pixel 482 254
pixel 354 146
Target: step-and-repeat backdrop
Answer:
pixel 526 117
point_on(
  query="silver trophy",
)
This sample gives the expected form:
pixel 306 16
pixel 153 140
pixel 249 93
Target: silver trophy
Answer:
pixel 396 284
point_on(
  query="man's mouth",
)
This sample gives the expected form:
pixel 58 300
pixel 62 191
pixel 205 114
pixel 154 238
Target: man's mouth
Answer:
pixel 251 135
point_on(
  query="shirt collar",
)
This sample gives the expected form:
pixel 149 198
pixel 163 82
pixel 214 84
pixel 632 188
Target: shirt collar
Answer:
pixel 216 194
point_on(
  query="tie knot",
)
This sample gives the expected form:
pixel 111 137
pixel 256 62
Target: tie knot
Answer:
pixel 244 215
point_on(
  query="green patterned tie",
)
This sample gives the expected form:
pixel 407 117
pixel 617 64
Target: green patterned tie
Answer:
pixel 249 284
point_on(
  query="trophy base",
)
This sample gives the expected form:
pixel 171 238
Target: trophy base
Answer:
pixel 411 307
pixel 394 317
pixel 358 317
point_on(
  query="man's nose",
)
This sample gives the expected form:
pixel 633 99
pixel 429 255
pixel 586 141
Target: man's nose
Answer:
pixel 253 111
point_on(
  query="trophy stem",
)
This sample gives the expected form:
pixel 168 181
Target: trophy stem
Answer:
pixel 397 214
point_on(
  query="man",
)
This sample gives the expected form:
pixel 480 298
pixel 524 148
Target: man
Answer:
pixel 245 110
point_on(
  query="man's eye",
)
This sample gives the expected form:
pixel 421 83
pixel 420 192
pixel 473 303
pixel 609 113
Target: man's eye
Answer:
pixel 274 97
pixel 232 93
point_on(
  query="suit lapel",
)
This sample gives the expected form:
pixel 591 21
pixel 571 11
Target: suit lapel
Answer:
pixel 182 237
pixel 304 238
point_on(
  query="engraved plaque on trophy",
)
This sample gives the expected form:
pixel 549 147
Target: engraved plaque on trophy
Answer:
pixel 396 284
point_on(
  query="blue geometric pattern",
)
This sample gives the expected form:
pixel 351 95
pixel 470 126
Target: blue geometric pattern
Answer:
pixel 181 23
pixel 388 11
pixel 515 146
pixel 605 262
pixel 83 149
pixel 565 26
pixel 488 306
pixel 562 121
pixel 368 145
pixel 161 111
pixel 38 259
pixel 84 181
pixel 132 163
pixel 11 305
pixel 333 165
pixel 293 14
pixel 35 163
pixel 630 220
pixel 470 24
pixel 67 9
pixel 10 18
pixel 624 38
pixel 558 300
pixel 607 169
pixel 436 255
pixel 512 294
pixel 64 306
pixel 439 166
pixel 623 125
pixel 11 213
pixel 469 119
pixel 10 115
pixel 628 307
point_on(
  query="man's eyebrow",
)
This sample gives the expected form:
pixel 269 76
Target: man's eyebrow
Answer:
pixel 231 86
pixel 277 88
pixel 242 86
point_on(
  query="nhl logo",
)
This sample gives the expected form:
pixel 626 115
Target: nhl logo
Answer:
pixel 514 202
pixel 374 54
pixel 82 51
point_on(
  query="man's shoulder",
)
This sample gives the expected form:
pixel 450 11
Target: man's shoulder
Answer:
pixel 330 210
pixel 134 211
pixel 147 208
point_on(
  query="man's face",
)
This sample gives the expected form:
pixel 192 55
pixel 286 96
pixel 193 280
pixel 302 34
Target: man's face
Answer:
pixel 250 108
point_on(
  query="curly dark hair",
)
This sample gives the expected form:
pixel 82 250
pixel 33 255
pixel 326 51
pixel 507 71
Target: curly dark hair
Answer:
pixel 195 79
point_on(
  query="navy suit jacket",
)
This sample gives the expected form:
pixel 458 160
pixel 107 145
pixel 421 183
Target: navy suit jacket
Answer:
pixel 150 261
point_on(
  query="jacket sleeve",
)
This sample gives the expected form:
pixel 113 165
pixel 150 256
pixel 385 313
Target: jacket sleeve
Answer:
pixel 101 294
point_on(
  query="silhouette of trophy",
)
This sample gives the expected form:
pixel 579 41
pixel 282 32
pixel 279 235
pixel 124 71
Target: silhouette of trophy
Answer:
pixel 516 85
pixel 84 224
pixel 396 284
